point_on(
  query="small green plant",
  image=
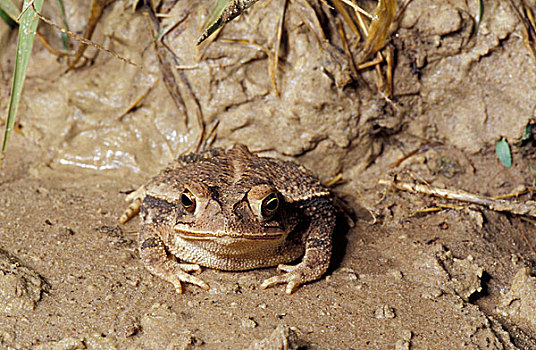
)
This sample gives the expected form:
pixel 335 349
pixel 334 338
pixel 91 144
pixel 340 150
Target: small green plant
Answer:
pixel 502 149
pixel 504 153
pixel 528 134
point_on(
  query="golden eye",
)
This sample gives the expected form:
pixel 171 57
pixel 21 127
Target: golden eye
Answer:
pixel 188 201
pixel 269 204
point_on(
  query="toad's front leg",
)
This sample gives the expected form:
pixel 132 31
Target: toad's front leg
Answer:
pixel 318 246
pixel 158 261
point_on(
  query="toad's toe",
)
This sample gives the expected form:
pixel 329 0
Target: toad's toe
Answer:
pixel 293 281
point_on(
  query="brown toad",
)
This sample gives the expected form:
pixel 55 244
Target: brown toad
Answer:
pixel 233 210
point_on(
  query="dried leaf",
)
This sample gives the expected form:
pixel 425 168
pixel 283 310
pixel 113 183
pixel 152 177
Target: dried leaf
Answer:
pixel 97 6
pixel 379 29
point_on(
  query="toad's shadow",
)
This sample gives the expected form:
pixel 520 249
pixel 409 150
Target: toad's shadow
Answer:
pixel 346 217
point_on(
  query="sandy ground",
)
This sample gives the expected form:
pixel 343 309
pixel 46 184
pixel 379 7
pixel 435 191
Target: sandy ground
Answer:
pixel 401 278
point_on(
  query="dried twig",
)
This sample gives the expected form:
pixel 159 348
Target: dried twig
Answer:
pixel 389 58
pixel 277 44
pixel 85 41
pixel 96 9
pixel 516 193
pixel 165 58
pixel 346 48
pixel 527 208
pixel 358 9
pixel 401 10
pixel 439 207
pixel 342 10
pixel 335 180
pixel 309 17
pixel 210 135
pixel 528 28
pixel 168 60
pixel 424 148
pixel 137 101
pixel 50 48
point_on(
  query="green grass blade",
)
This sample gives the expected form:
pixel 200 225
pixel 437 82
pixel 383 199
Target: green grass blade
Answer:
pixel 10 9
pixel 64 36
pixel 223 12
pixel 27 28
pixel 480 12
pixel 209 26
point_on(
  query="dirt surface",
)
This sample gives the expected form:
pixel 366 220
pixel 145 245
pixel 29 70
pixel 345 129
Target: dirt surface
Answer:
pixel 401 278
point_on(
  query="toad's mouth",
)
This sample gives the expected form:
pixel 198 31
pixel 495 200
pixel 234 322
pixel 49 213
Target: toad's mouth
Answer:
pixel 188 233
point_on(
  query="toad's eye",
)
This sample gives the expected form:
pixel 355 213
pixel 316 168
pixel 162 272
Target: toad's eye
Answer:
pixel 269 204
pixel 188 201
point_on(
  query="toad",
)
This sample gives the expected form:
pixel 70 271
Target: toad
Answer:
pixel 233 210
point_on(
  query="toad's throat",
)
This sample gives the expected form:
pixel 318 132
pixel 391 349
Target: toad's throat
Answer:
pixel 189 234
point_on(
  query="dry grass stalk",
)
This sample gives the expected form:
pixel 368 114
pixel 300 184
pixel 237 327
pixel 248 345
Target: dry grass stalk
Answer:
pixel 528 29
pixel 527 208
pixel 85 42
pixel 277 45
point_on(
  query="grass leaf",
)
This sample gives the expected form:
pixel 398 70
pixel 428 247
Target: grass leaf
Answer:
pixel 64 36
pixel 528 133
pixel 502 149
pixel 25 39
pixel 223 12
pixel 480 12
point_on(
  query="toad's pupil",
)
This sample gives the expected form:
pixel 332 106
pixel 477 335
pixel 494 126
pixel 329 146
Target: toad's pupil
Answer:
pixel 271 203
pixel 186 200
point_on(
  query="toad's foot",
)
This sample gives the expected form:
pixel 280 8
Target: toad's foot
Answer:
pixel 176 273
pixel 156 259
pixel 295 276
